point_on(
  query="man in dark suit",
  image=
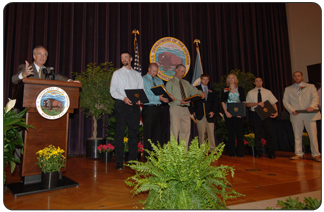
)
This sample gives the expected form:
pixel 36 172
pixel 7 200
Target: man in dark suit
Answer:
pixel 204 111
pixel 32 71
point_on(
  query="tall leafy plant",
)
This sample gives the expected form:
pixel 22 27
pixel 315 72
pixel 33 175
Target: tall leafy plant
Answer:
pixel 179 179
pixel 95 98
pixel 246 80
pixel 13 124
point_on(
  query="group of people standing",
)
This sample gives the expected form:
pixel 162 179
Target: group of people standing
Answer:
pixel 301 97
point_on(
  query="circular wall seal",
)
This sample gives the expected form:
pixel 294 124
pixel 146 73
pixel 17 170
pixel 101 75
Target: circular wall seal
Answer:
pixel 52 103
pixel 168 52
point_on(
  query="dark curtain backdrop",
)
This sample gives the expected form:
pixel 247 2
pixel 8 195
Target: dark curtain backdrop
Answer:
pixel 252 37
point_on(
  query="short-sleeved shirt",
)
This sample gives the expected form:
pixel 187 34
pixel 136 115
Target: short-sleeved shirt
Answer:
pixel 252 96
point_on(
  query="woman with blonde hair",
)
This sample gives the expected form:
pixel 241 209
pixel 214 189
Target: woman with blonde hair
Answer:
pixel 233 94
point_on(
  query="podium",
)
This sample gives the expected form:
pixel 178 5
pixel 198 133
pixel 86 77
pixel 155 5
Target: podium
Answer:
pixel 47 130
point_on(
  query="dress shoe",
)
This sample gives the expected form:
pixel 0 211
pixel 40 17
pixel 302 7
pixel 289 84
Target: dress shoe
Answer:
pixel 296 157
pixel 232 156
pixel 241 156
pixel 119 166
pixel 258 156
pixel 318 158
pixel 272 156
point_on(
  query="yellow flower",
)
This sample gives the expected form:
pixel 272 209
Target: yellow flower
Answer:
pixel 125 139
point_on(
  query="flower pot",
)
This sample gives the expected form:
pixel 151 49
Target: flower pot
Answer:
pixel 92 148
pixel 106 157
pixel 50 179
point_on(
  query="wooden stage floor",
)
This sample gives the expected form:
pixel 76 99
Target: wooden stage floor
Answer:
pixel 101 186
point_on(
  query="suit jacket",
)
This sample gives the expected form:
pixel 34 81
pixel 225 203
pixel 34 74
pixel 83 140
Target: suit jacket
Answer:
pixel 18 95
pixel 308 97
pixel 15 79
pixel 209 106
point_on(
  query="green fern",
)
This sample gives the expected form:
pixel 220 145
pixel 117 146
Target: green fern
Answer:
pixel 177 178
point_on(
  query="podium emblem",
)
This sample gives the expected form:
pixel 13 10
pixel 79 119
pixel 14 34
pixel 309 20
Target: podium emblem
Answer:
pixel 52 103
pixel 168 52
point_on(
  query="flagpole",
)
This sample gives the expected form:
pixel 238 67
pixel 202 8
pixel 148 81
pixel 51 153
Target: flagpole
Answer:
pixel 197 41
pixel 137 65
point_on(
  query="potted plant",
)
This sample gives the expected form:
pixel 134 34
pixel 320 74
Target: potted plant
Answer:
pixel 140 150
pixel 106 152
pixel 50 160
pixel 13 123
pixel 95 99
pixel 249 140
pixel 245 80
pixel 179 179
pixel 306 143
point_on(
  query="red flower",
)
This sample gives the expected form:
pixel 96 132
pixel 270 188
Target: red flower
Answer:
pixel 226 90
pixel 140 147
pixel 263 142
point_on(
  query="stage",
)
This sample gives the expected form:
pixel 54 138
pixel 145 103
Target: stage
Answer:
pixel 101 186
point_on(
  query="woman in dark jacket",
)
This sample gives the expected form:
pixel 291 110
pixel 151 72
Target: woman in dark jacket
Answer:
pixel 233 94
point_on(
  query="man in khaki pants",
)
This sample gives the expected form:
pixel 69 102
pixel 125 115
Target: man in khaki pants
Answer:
pixel 205 110
pixel 303 96
pixel 179 110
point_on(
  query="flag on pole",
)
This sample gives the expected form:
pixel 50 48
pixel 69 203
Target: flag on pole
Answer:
pixel 197 72
pixel 137 65
pixel 198 67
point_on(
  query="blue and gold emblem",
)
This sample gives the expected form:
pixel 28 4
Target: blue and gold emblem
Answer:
pixel 168 52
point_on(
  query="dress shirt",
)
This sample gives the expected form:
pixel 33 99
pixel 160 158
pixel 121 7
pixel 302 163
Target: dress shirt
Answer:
pixel 205 90
pixel 148 84
pixel 173 87
pixel 125 79
pixel 252 96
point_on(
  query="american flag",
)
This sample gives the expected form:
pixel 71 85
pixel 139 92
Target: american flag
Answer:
pixel 137 65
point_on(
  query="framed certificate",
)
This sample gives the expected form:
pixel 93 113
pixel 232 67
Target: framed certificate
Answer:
pixel 236 109
pixel 266 111
pixel 136 94
pixel 159 90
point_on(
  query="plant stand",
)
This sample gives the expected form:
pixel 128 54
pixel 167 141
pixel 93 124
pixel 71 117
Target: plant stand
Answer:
pixel 92 148
pixel 106 157
pixel 20 189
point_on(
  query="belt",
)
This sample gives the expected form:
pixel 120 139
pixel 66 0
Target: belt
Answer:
pixel 156 105
pixel 183 105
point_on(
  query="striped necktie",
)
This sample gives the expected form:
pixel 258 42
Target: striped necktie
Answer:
pixel 183 94
pixel 40 73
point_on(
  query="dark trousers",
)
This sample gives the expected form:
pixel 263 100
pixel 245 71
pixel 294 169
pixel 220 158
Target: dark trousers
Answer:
pixel 126 115
pixel 235 128
pixel 267 126
pixel 152 126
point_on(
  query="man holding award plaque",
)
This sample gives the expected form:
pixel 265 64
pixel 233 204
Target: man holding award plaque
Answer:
pixel 152 113
pixel 126 111
pixel 181 89
pixel 257 99
pixel 301 101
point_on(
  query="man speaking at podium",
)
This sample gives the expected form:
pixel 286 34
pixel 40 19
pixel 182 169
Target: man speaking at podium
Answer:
pixel 34 71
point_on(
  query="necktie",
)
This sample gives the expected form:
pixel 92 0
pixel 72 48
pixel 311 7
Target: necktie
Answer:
pixel 40 73
pixel 206 93
pixel 259 96
pixel 183 94
pixel 298 90
pixel 154 84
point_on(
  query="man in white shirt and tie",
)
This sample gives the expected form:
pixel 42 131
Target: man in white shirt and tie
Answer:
pixel 126 111
pixel 257 97
pixel 303 96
